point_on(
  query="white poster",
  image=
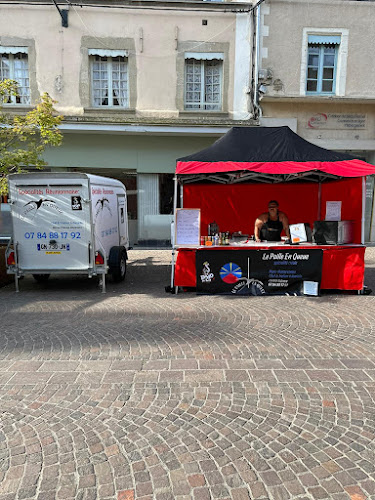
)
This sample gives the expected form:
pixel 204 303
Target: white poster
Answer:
pixel 187 226
pixel 333 210
pixel 311 288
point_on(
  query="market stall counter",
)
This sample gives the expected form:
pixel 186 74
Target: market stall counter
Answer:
pixel 231 183
pixel 279 268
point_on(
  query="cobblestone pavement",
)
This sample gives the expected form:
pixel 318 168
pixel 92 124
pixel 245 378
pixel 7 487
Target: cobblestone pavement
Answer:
pixel 139 394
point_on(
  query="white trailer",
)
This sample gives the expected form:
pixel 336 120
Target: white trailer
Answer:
pixel 67 223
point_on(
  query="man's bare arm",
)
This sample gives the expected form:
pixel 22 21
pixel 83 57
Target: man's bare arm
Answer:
pixel 284 220
pixel 258 226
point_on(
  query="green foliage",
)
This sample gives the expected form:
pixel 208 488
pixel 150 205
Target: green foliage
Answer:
pixel 23 138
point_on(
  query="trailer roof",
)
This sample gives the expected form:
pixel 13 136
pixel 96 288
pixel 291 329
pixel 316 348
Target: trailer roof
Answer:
pixel 56 176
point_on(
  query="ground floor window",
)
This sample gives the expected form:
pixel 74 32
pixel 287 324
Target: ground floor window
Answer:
pixel 166 190
pixel 155 208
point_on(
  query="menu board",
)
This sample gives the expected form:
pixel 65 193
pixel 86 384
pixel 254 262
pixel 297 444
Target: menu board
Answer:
pixel 333 210
pixel 188 226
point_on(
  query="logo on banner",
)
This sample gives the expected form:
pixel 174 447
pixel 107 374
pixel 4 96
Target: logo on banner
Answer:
pixel 207 276
pixel 230 272
pixel 76 203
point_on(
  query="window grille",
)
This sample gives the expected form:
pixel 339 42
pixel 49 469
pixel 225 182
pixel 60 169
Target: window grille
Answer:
pixel 203 84
pixel 14 66
pixel 110 85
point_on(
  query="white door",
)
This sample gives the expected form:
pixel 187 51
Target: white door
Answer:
pixel 52 227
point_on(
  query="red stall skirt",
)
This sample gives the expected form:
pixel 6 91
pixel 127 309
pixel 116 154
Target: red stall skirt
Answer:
pixel 343 266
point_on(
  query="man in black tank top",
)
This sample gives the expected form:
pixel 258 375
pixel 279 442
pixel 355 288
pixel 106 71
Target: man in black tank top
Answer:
pixel 268 226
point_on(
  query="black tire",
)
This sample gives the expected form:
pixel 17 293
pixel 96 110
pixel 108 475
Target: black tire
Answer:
pixel 117 264
pixel 41 278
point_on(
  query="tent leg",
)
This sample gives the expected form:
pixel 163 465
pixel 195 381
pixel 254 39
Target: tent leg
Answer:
pixel 173 266
pixel 174 225
pixel 319 200
pixel 363 210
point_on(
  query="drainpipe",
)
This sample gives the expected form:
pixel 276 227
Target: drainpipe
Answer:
pixel 257 109
pixel 256 106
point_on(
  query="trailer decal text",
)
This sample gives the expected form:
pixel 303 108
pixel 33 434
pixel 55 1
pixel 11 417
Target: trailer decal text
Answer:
pixel 108 232
pixel 42 192
pixel 102 191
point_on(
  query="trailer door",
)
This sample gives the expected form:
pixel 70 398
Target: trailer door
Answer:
pixel 52 226
pixel 122 218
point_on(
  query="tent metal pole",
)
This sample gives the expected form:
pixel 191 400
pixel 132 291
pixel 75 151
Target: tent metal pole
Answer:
pixel 319 200
pixel 173 228
pixel 363 210
pixel 372 209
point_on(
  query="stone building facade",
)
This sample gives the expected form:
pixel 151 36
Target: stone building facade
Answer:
pixel 138 84
pixel 317 70
pixel 141 84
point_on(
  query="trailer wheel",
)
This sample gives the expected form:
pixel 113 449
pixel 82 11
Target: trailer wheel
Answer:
pixel 117 264
pixel 41 278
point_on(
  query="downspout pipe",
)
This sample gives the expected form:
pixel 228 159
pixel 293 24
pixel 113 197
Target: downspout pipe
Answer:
pixel 257 108
pixel 257 10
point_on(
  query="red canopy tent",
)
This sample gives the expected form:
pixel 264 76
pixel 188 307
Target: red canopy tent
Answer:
pixel 233 180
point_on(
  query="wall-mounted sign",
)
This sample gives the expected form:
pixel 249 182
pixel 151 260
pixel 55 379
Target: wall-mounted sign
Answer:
pixel 333 210
pixel 336 121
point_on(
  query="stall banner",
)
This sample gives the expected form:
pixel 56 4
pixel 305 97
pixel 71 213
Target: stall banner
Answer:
pixel 259 272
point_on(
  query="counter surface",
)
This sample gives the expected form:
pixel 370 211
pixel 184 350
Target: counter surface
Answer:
pixel 265 244
pixel 343 265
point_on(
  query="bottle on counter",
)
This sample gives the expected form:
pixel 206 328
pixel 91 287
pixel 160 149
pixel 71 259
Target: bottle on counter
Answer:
pixel 213 228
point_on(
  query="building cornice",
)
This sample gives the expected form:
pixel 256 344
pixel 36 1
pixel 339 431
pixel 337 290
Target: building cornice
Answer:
pixel 196 127
pixel 319 99
pixel 199 5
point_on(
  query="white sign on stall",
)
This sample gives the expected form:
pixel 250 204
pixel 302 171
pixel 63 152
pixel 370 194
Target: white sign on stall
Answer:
pixel 188 225
pixel 333 210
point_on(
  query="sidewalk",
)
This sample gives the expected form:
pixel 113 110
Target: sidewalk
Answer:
pixel 140 394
